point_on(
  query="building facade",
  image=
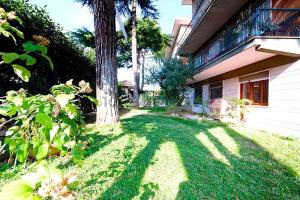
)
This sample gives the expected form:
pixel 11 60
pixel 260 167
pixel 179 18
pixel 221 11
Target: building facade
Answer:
pixel 247 50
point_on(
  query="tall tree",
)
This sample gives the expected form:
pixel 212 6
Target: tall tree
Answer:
pixel 150 41
pixel 147 10
pixel 135 66
pixel 129 7
pixel 106 71
pixel 84 37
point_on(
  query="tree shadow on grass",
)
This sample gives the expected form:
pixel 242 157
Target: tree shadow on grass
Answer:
pixel 213 170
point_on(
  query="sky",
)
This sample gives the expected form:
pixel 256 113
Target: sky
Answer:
pixel 71 15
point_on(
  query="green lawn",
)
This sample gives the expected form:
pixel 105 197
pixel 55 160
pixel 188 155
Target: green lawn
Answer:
pixel 152 156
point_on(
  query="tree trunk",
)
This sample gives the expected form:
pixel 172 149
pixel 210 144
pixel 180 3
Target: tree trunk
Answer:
pixel 135 67
pixel 143 70
pixel 106 71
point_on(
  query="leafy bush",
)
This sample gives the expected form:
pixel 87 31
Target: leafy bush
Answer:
pixel 45 183
pixel 237 108
pixel 171 75
pixel 67 57
pixel 45 124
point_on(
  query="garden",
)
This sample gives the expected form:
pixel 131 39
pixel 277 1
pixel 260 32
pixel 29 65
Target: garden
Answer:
pixel 66 132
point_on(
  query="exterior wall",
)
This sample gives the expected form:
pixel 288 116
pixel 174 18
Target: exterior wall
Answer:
pixel 283 113
pixel 282 116
pixel 188 101
pixel 231 90
pixel 205 93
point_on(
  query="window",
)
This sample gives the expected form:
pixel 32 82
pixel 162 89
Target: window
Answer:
pixel 198 94
pixel 216 90
pixel 257 92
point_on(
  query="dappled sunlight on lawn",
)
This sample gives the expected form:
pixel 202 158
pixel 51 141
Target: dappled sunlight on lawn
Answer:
pixel 212 148
pixel 227 141
pixel 102 168
pixel 149 155
pixel 165 172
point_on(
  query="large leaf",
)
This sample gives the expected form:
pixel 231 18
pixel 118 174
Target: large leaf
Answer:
pixel 9 57
pixel 19 33
pixel 29 59
pixel 78 154
pixel 42 151
pixel 71 110
pixel 22 151
pixel 18 190
pixel 22 72
pixel 44 120
pixel 8 110
pixel 29 46
pixel 4 109
pixel 3 31
pixel 63 99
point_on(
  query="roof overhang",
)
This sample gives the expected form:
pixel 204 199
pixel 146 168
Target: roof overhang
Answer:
pixel 253 51
pixel 210 22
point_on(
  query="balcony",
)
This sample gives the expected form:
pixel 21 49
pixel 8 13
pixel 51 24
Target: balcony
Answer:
pixel 269 23
pixel 199 12
pixel 203 7
pixel 207 19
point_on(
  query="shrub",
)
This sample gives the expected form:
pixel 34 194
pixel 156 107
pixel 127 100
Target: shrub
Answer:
pixel 45 124
pixel 171 75
pixel 237 108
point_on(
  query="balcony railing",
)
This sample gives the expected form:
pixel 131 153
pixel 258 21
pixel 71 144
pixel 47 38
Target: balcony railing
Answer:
pixel 202 8
pixel 262 22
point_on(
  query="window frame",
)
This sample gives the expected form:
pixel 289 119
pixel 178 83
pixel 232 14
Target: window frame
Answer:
pixel 251 91
pixel 213 86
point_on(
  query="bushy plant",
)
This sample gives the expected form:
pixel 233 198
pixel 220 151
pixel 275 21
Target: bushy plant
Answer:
pixel 171 74
pixel 237 108
pixel 45 124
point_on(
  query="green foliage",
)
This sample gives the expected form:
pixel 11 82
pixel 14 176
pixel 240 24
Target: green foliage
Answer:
pixel 150 38
pixel 237 107
pixel 69 59
pixel 28 47
pixel 45 124
pixel 84 37
pixel 5 27
pixel 90 54
pixel 153 98
pixel 46 182
pixel 171 74
pixel 198 100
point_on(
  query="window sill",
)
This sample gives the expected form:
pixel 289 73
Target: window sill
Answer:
pixel 259 106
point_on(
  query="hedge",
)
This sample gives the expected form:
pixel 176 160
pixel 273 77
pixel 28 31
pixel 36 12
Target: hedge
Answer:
pixel 68 58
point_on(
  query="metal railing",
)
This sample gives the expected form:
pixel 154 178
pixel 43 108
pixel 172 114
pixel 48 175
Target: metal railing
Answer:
pixel 262 22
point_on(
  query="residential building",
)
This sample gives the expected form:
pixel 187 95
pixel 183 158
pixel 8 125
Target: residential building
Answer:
pixel 181 27
pixel 248 50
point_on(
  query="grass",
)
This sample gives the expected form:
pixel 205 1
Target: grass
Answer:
pixel 153 156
